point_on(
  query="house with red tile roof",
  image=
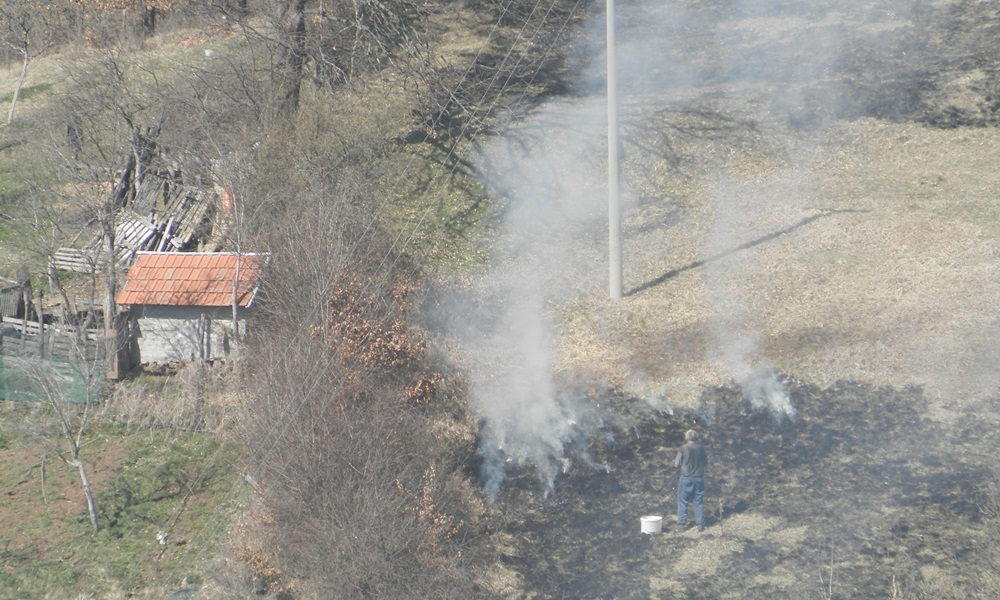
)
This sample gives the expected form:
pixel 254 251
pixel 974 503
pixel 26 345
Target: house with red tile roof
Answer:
pixel 182 304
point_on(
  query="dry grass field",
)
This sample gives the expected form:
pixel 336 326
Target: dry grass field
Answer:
pixel 858 248
pixel 877 264
pixel 785 218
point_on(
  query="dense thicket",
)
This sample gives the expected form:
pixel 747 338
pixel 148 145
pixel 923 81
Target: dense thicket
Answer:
pixel 362 493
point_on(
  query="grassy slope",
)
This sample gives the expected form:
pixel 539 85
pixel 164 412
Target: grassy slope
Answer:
pixel 142 478
pixel 145 481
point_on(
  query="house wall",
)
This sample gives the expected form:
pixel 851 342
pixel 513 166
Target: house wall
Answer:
pixel 183 333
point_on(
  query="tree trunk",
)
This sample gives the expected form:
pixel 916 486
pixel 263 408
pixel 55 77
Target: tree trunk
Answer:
pixel 65 307
pixel 20 82
pixel 290 22
pixel 91 505
pixel 148 19
pixel 236 299
pixel 111 280
pixel 237 8
pixel 143 154
pixel 111 341
pixel 123 190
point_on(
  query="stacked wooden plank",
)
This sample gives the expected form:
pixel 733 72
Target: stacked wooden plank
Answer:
pixel 186 212
pixel 178 211
pixel 134 234
pixel 175 215
pixel 78 261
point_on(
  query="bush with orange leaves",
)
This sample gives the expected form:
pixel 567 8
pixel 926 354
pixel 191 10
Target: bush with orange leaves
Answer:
pixel 369 328
pixel 366 324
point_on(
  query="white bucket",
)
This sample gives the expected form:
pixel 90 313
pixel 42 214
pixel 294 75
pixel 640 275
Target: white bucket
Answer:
pixel 651 524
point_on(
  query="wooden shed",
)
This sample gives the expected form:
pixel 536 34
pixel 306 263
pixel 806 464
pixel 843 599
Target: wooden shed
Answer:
pixel 181 304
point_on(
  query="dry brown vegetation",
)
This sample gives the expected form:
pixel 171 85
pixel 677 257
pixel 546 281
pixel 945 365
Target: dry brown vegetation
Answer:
pixel 846 242
pixel 864 249
pixel 881 268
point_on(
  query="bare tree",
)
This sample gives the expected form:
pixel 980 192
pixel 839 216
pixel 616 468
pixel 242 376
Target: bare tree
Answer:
pixel 336 42
pixel 26 26
pixel 117 110
pixel 287 74
pixel 67 393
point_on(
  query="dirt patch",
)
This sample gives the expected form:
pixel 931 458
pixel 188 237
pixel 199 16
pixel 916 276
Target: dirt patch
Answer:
pixel 46 496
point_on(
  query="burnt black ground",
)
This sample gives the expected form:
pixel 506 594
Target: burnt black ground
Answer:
pixel 878 490
pixel 874 487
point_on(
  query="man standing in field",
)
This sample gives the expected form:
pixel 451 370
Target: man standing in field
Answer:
pixel 691 461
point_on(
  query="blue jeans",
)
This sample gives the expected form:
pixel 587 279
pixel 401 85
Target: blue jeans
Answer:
pixel 690 489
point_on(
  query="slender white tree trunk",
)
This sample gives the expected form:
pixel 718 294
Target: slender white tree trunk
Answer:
pixel 20 83
pixel 91 505
pixel 236 300
pixel 110 330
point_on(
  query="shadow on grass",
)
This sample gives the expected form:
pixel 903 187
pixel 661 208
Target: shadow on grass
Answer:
pixel 28 92
pixel 826 212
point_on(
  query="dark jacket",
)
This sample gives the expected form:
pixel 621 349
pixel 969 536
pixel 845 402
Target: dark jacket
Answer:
pixel 691 459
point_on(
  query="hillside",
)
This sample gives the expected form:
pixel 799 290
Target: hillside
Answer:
pixel 810 273
pixel 810 232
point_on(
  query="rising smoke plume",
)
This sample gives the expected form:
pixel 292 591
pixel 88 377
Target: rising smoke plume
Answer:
pixel 737 349
pixel 550 178
pixel 550 171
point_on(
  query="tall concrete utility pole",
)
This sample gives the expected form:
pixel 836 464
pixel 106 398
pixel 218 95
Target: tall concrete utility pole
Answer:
pixel 614 204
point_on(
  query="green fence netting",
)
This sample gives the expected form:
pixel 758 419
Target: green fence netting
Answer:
pixel 19 379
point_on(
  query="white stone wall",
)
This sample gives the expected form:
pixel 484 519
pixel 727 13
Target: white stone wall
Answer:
pixel 184 333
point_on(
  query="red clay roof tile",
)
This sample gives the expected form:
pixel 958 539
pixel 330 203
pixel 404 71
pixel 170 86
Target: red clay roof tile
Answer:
pixel 190 279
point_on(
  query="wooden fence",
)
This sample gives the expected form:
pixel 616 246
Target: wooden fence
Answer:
pixel 30 338
pixel 12 301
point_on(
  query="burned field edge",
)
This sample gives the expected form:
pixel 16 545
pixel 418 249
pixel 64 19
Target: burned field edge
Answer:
pixel 883 495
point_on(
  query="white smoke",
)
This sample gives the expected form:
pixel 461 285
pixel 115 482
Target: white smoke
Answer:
pixel 777 76
pixel 548 174
pixel 726 275
pixel 757 380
